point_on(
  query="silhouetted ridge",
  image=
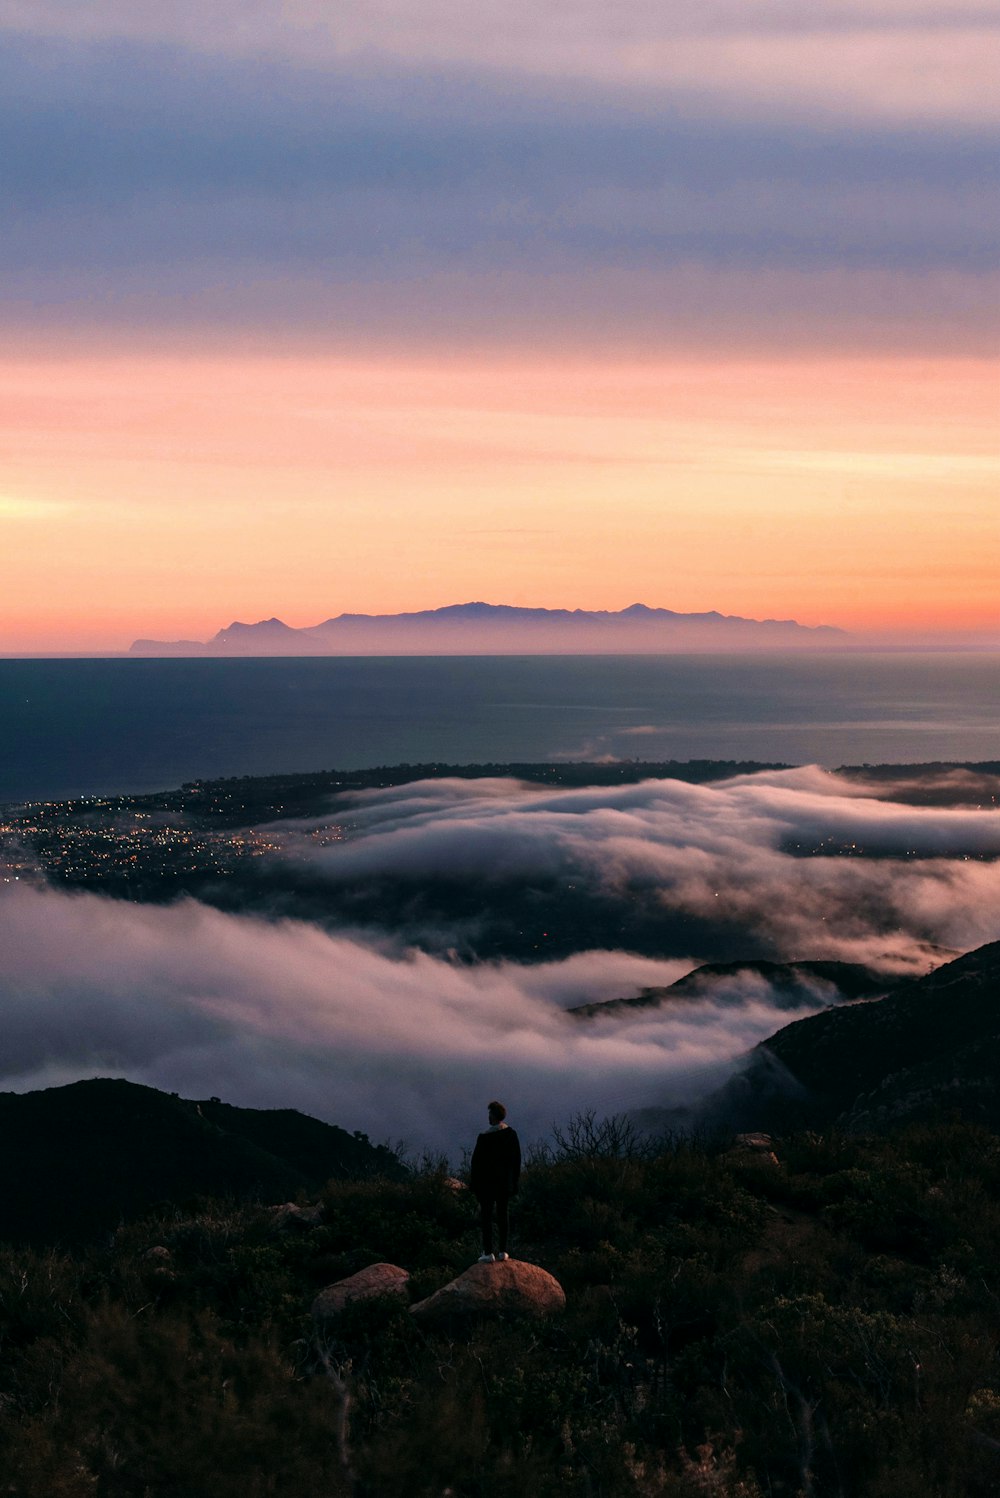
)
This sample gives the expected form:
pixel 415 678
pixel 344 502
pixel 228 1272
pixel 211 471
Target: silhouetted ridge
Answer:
pixel 794 985
pixel 930 1046
pixel 479 628
pixel 77 1160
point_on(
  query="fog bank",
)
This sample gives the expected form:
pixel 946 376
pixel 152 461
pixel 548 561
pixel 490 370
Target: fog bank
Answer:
pixel 188 999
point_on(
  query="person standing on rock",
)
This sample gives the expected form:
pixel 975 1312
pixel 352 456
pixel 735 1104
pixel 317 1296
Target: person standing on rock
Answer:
pixel 494 1175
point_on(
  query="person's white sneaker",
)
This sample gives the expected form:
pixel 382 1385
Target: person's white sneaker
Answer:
pixel 486 1259
pixel 502 1258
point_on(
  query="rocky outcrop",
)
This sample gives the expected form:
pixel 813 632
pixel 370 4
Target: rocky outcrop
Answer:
pixel 290 1215
pixel 374 1282
pixel 753 1147
pixel 489 1289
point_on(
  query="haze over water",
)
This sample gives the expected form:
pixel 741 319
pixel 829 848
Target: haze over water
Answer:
pixel 93 727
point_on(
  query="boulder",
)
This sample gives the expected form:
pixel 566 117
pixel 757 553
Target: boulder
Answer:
pixel 486 1289
pixel 289 1215
pixel 761 1142
pixel 377 1280
pixel 754 1147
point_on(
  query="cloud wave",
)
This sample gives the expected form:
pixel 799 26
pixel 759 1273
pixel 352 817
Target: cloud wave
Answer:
pixel 281 1014
pixel 804 862
pixel 351 1026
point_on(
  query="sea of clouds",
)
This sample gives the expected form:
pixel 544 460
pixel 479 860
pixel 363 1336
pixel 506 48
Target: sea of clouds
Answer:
pixel 404 1043
pixel 893 884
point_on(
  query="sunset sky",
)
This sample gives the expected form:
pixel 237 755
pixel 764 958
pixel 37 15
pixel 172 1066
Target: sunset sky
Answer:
pixel 313 308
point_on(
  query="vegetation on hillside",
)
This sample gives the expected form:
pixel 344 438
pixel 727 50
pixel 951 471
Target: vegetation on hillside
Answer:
pixel 75 1161
pixel 824 1325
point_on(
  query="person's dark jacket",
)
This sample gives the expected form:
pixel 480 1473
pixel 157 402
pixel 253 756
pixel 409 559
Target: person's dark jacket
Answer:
pixel 496 1164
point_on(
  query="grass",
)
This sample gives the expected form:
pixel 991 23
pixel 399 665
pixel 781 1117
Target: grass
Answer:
pixel 824 1326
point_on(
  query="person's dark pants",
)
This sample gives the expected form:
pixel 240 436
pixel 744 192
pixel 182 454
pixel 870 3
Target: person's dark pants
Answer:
pixel 486 1209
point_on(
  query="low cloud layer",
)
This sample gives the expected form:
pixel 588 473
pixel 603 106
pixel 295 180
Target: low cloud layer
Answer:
pixel 353 1026
pixel 276 1015
pixel 805 863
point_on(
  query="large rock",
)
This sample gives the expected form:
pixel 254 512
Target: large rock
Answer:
pixel 753 1147
pixel 290 1215
pixel 486 1289
pixel 377 1280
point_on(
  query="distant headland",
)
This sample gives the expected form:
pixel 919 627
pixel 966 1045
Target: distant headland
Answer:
pixel 503 629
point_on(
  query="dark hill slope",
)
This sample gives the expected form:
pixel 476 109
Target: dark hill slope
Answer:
pixel 932 1044
pixel 77 1160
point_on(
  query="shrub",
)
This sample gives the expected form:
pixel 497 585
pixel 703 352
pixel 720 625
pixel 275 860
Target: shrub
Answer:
pixel 828 1326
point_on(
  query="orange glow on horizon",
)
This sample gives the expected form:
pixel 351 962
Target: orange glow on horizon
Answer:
pixel 165 495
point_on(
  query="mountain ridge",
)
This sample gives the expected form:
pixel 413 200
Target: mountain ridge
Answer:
pixel 930 1045
pixel 77 1159
pixel 478 628
pixel 794 985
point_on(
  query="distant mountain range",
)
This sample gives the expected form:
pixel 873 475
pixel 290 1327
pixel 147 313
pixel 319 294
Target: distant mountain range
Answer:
pixel 502 629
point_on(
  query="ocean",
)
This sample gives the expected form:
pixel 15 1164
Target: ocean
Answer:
pixel 94 727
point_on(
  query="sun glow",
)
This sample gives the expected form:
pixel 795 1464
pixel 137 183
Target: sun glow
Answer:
pixel 171 493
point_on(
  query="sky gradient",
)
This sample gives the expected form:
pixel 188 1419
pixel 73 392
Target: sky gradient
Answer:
pixel 391 307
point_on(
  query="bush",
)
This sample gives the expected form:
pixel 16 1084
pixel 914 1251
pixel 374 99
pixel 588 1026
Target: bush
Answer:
pixel 828 1326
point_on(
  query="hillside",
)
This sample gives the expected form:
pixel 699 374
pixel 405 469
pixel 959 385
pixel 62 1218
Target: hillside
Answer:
pixel 931 1046
pixel 735 1325
pixel 76 1161
pixel 748 1322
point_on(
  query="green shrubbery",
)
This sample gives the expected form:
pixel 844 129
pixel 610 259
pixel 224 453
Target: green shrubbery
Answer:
pixel 827 1325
